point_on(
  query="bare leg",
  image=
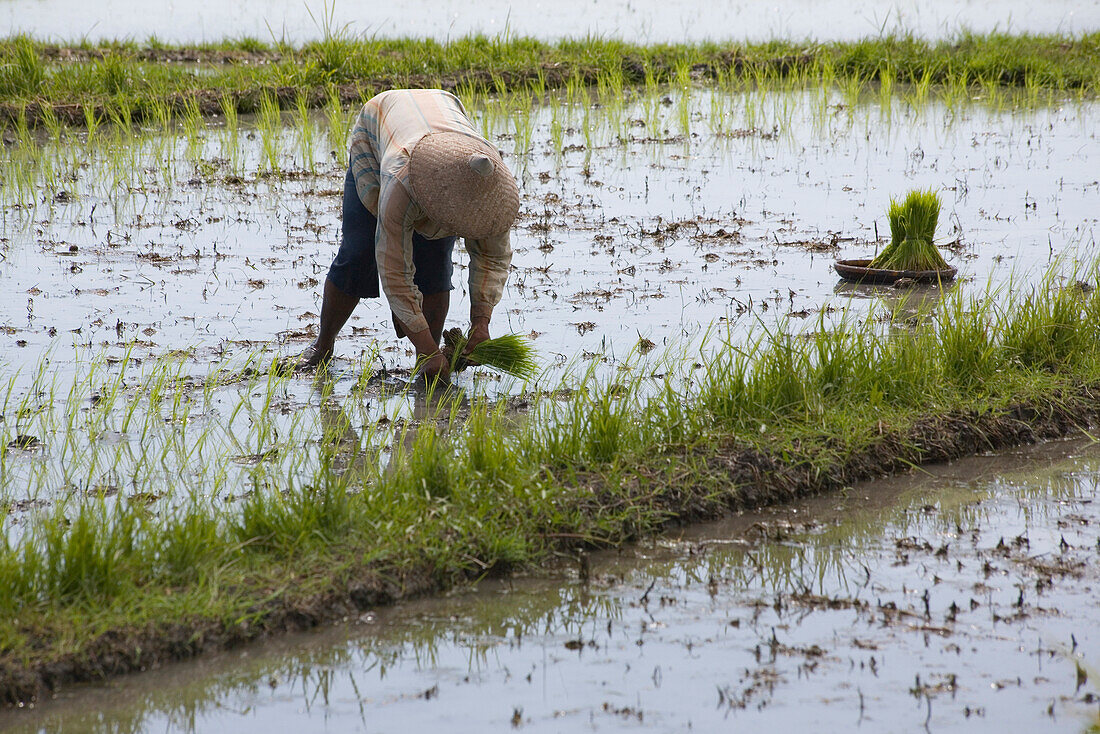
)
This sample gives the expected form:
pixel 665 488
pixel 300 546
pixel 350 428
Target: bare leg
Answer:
pixel 336 308
pixel 435 308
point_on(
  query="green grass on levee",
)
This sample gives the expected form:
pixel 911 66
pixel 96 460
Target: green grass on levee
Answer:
pixel 123 81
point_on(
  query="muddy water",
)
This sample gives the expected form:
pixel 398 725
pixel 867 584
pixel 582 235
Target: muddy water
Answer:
pixel 962 597
pixel 649 219
pixel 655 218
pixel 635 20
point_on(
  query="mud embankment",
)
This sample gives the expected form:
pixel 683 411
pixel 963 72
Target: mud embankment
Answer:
pixel 679 487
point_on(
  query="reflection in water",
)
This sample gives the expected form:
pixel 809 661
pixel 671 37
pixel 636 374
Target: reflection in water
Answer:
pixel 824 612
pixel 902 302
pixel 916 297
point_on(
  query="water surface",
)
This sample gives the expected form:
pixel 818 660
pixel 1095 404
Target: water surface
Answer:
pixel 634 20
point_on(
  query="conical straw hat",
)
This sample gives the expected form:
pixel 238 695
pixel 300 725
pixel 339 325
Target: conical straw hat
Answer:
pixel 462 184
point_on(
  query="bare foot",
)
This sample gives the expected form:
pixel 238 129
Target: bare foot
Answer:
pixel 313 357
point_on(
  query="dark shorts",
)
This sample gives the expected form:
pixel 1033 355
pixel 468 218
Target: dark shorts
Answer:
pixel 354 270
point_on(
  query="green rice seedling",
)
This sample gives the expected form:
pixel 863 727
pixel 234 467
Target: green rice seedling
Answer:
pixel 651 85
pixel 228 108
pixel 716 118
pixel 609 428
pixel 887 89
pixel 522 123
pixel 956 92
pixel 270 122
pixel 778 381
pixel 122 119
pixel 511 354
pixel 671 421
pixel 651 103
pixel 549 437
pixel 587 127
pixel 337 127
pixel 92 119
pixel 906 371
pixel 537 84
pixel 750 110
pixel 575 89
pixel 611 85
pixel 852 86
pixel 683 106
pixel 912 228
pixel 305 130
pixel 722 396
pixel 427 465
pixel 55 131
pixel 682 72
pixel 991 92
pixel 230 138
pixel 831 370
pixel 1033 88
pixel 557 132
pixel 487 118
pixel 469 92
pixel 486 450
pixel 193 127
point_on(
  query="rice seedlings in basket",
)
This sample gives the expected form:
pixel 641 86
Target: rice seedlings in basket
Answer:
pixel 912 227
pixel 511 354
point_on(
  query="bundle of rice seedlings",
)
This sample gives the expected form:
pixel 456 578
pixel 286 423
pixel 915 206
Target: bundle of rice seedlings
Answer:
pixel 511 354
pixel 912 227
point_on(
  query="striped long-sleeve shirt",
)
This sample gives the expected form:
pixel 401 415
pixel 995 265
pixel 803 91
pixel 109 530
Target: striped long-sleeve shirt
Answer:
pixel 385 133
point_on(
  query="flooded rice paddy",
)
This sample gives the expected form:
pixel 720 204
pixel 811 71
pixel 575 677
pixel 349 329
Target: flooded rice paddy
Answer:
pixel 650 219
pixel 154 275
pixel 637 20
pixel 959 597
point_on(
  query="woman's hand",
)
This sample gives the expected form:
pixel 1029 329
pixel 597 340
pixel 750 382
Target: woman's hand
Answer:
pixel 434 367
pixel 479 332
pixel 430 362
